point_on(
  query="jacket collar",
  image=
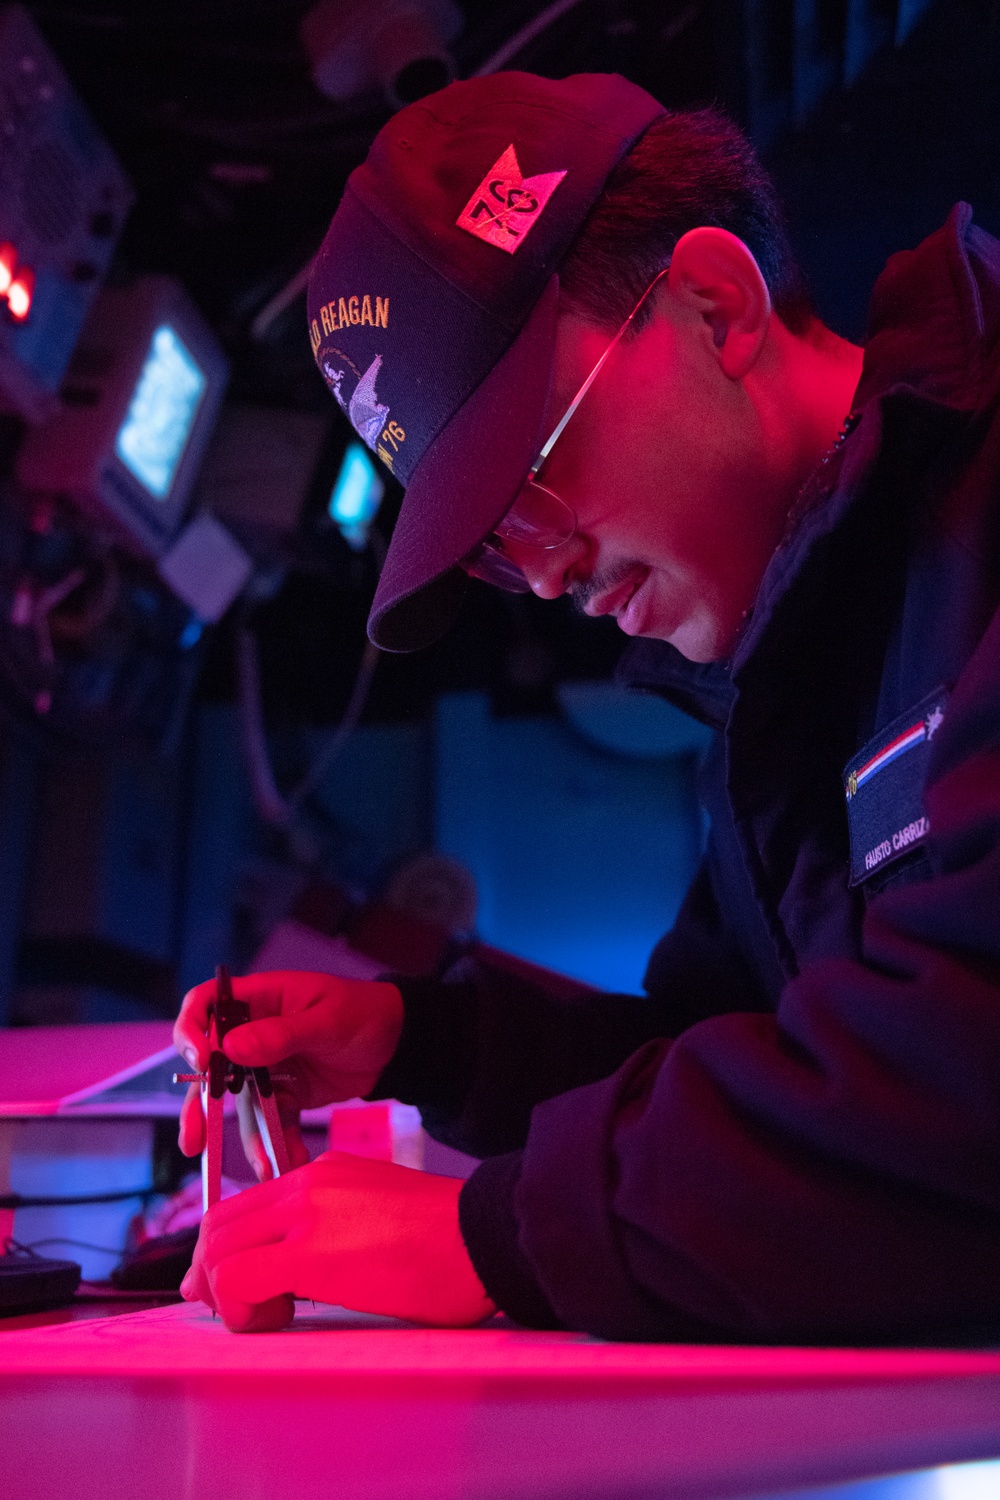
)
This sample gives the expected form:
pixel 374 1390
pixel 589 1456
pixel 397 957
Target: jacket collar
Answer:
pixel 703 690
pixel 934 318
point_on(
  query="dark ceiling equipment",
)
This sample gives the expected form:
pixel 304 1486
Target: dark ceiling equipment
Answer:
pixel 63 202
pixel 398 46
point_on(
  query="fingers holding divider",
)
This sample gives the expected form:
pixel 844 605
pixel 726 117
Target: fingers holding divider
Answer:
pixel 191 1026
pixel 191 1137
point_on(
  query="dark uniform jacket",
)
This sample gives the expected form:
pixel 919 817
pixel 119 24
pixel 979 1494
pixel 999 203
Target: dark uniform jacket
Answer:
pixel 795 1134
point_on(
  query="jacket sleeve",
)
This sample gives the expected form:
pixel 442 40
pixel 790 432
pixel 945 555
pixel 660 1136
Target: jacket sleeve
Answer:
pixel 495 1036
pixel 825 1172
pixel 485 1044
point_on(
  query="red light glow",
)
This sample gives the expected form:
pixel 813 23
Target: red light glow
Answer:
pixel 19 294
pixel 8 260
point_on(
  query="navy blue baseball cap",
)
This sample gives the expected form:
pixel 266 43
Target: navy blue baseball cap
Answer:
pixel 433 303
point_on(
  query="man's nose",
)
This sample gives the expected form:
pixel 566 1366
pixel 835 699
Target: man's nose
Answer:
pixel 549 570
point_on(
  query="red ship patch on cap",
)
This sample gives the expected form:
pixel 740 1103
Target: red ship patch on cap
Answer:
pixel 506 205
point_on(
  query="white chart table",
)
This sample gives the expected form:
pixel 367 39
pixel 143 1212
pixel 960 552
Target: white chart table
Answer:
pixel 168 1405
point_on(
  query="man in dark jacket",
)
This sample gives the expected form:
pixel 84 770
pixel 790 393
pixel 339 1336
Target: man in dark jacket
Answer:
pixel 794 1135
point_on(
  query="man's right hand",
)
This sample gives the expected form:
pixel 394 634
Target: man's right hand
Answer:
pixel 331 1036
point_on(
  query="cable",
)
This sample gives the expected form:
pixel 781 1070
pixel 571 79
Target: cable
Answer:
pixel 11 1246
pixel 272 806
pixel 517 43
pixel 352 713
pixel 86 1291
pixel 58 1239
pixel 103 1291
pixel 273 309
pixel 18 1200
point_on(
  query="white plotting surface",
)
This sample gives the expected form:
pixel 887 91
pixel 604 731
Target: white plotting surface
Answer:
pixel 169 1403
pixel 965 1482
pixel 331 1340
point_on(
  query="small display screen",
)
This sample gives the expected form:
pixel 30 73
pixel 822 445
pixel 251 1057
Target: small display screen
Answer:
pixel 356 495
pixel 161 414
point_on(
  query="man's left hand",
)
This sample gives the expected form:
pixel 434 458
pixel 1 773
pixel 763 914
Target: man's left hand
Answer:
pixel 368 1235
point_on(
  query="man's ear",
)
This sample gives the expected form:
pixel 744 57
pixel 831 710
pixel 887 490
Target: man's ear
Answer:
pixel 715 274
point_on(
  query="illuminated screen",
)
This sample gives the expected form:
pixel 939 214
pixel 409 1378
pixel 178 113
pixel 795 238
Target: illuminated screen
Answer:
pixel 356 495
pixel 151 439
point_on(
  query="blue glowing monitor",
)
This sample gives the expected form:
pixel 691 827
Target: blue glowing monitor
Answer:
pixel 356 495
pixel 160 416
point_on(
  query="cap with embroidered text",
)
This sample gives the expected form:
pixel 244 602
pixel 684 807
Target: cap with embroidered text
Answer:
pixel 432 307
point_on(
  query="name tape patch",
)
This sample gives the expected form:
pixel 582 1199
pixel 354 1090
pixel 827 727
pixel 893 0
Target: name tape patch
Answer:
pixel 884 787
pixel 505 205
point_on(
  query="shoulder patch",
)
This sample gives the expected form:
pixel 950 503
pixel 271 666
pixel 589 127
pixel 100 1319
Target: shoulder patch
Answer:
pixel 505 205
pixel 884 786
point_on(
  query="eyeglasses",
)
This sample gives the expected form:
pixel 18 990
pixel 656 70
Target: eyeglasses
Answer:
pixel 539 517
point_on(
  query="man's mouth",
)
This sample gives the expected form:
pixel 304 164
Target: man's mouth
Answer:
pixel 633 617
pixel 616 599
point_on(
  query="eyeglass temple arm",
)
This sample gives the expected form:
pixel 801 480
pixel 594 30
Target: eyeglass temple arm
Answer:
pixel 557 434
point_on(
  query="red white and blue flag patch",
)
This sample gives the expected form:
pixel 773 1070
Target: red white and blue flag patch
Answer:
pixel 884 786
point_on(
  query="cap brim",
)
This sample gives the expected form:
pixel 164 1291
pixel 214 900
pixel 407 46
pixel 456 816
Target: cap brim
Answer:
pixel 462 487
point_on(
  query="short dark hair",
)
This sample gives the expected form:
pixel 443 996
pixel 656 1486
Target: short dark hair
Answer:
pixel 689 168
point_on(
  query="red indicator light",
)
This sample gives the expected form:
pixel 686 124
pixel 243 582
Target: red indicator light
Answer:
pixel 8 260
pixel 19 294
